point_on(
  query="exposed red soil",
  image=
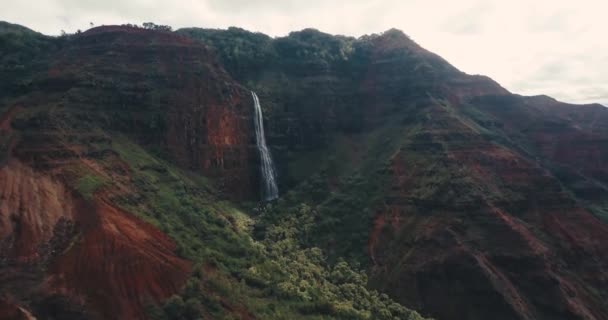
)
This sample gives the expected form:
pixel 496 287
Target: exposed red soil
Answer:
pixel 205 118
pixel 522 231
pixel 31 204
pixel 379 223
pixel 508 270
pixel 113 263
pixel 573 136
pixel 391 218
pixel 95 254
pixel 523 249
pixel 215 140
pixel 119 264
pixel 534 254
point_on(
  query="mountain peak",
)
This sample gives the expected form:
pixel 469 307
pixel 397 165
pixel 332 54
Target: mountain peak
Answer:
pixel 394 32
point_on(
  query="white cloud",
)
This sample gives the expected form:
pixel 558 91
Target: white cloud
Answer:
pixel 554 47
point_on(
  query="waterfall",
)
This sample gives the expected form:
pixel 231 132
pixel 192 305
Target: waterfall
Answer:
pixel 269 183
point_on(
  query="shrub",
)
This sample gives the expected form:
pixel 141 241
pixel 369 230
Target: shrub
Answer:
pixel 88 184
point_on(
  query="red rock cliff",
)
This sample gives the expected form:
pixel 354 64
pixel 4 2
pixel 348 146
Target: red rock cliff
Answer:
pixel 167 91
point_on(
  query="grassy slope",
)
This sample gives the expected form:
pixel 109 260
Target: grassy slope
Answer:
pixel 236 276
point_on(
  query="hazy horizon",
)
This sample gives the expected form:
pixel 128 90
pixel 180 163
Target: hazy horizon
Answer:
pixel 546 47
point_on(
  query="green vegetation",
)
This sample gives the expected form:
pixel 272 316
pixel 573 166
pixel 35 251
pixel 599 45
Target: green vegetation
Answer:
pixel 156 27
pixel 357 126
pixel 241 51
pixel 184 206
pixel 306 276
pixel 88 184
pixel 600 211
pixel 273 278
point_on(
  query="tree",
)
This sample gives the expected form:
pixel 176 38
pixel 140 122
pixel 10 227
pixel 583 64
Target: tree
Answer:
pixel 175 308
pixel 157 27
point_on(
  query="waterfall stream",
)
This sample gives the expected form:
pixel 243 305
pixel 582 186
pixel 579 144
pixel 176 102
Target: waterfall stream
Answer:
pixel 269 183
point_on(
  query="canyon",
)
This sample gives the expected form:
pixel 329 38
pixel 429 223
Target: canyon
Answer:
pixel 131 175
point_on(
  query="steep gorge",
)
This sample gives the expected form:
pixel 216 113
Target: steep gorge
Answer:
pixel 127 155
pixel 471 202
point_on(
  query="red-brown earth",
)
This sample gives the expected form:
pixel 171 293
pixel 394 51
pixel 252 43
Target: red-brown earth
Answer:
pixel 96 254
pixel 499 235
pixel 487 212
pixel 75 256
pixel 490 205
pixel 166 91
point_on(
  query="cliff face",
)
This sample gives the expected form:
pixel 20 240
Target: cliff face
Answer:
pixel 476 218
pixel 470 202
pixel 165 91
pixel 91 251
pixel 572 137
pixel 481 208
pixel 119 265
pixel 32 206
pixel 461 199
pixel 68 246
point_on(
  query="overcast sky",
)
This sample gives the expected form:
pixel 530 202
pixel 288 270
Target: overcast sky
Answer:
pixel 553 47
